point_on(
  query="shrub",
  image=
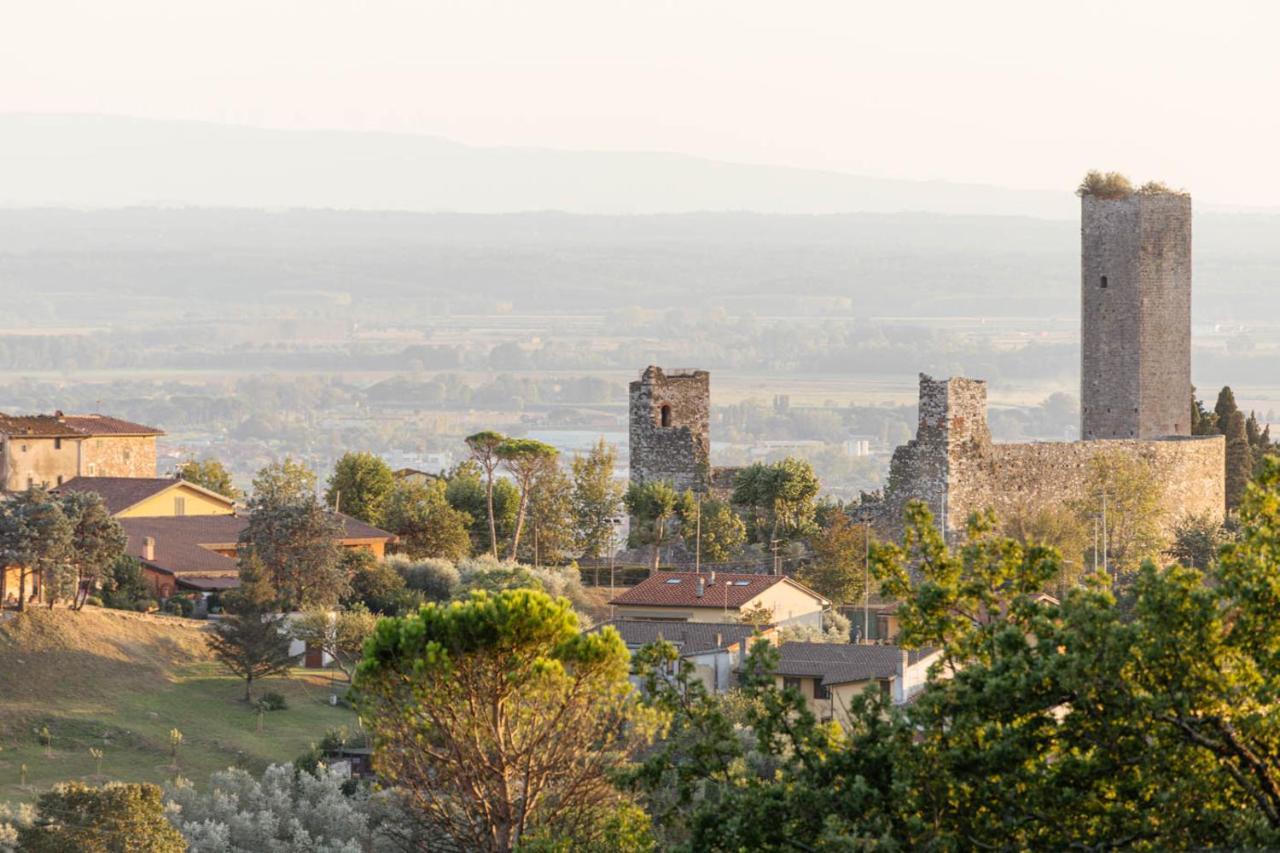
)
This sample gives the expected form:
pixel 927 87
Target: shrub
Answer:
pixel 94 600
pixel 272 701
pixel 434 578
pixel 1108 185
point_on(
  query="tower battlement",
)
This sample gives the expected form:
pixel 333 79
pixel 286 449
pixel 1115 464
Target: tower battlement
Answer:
pixel 670 428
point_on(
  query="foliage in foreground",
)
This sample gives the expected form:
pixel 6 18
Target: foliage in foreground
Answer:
pixel 499 721
pixel 1143 719
pixel 115 817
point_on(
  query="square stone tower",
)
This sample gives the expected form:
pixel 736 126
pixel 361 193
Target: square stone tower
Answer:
pixel 1135 332
pixel 670 419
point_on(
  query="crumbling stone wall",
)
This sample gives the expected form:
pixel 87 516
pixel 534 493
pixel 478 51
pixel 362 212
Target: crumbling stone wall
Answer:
pixel 670 428
pixel 954 467
pixel 1135 347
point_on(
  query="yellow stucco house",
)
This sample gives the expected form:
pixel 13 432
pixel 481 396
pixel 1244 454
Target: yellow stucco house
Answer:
pixel 720 597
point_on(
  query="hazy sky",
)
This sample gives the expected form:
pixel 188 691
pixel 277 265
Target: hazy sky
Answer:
pixel 1025 94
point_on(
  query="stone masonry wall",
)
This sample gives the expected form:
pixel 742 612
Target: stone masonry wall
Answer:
pixel 1135 303
pixel 118 456
pixel 679 453
pixel 954 467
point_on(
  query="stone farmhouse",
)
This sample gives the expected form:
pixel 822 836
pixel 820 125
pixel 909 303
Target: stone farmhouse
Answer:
pixel 48 450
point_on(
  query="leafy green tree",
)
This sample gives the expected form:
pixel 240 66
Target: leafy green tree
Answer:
pixel 1131 493
pixel 527 461
pixel 551 521
pixel 124 587
pixel 467 491
pixel 498 719
pixel 35 536
pixel 1197 539
pixel 484 452
pixel 295 537
pixel 839 570
pixel 711 528
pixel 211 474
pixel 97 540
pixel 287 482
pixel 1056 525
pixel 375 585
pixel 1239 459
pixel 597 498
pixel 652 506
pixel 112 819
pixel 360 485
pixel 251 641
pixel 782 498
pixel 421 516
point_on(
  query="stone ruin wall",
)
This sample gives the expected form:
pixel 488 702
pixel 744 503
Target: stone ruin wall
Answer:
pixel 1030 476
pixel 954 467
pixel 681 452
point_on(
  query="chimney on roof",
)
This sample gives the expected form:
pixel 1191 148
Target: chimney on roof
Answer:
pixel 149 548
pixel 719 640
pixel 712 581
pixel 700 588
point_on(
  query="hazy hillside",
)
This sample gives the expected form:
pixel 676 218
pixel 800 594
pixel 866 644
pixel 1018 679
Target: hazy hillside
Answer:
pixel 99 161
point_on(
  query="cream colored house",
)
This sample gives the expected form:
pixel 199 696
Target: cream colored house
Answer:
pixel 830 675
pixel 713 650
pixel 720 597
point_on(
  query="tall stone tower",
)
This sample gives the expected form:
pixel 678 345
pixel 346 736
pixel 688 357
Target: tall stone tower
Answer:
pixel 1135 333
pixel 671 428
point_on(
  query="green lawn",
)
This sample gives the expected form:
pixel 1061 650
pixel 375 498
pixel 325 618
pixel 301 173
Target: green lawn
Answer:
pixel 132 730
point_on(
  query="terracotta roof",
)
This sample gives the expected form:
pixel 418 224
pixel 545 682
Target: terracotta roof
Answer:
pixel 183 542
pixel 106 425
pixel 37 426
pixel 70 426
pixel 690 638
pixel 120 493
pixel 840 663
pixel 680 589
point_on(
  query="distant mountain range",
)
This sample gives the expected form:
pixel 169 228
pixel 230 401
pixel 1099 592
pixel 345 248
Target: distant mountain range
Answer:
pixel 102 161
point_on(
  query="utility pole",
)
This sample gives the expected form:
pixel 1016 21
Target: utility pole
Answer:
pixel 1105 566
pixel 774 544
pixel 697 541
pixel 866 583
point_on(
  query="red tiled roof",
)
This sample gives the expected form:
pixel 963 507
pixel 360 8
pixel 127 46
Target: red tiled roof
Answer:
pixel 36 426
pixel 680 589
pixel 106 425
pixel 70 426
pixel 182 543
pixel 120 493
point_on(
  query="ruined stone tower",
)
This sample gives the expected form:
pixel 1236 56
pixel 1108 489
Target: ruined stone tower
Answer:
pixel 671 428
pixel 1135 333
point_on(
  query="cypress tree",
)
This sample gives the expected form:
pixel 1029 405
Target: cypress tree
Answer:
pixel 1224 407
pixel 1239 459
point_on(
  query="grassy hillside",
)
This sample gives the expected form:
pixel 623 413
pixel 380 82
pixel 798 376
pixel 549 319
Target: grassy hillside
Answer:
pixel 119 682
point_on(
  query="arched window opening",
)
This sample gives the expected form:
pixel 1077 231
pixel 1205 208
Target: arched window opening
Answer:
pixel 665 415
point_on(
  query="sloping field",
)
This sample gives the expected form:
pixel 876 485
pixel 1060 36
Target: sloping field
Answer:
pixel 119 683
